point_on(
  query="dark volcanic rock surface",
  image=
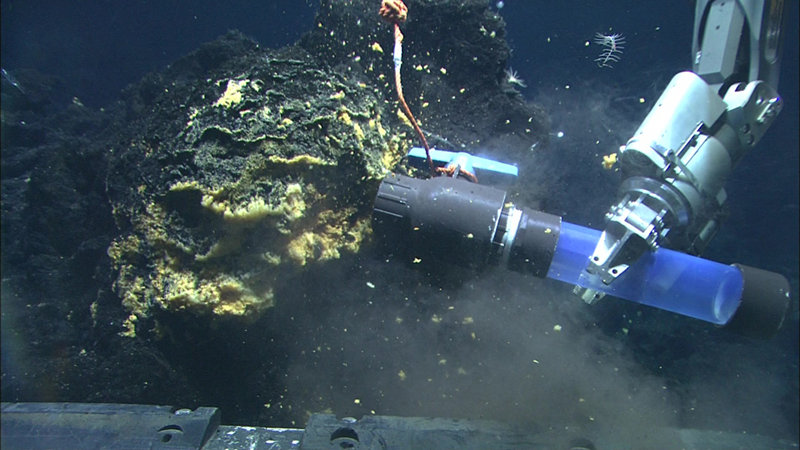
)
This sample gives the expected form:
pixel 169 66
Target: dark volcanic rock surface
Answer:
pixel 143 243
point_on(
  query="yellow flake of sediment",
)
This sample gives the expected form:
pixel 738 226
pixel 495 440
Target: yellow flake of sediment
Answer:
pixel 271 258
pixel 332 234
pixel 236 299
pixel 177 288
pixel 292 206
pixel 210 202
pixel 227 245
pixel 152 224
pixel 264 113
pixel 375 124
pixel 357 233
pixel 392 153
pixel 132 289
pixel 130 327
pixel 344 117
pixel 252 211
pixel 402 116
pixel 225 295
pixel 185 186
pixel 232 94
pixel 609 161
pixel 307 160
pixel 376 47
pixel 310 246
pixel 359 132
pixel 122 249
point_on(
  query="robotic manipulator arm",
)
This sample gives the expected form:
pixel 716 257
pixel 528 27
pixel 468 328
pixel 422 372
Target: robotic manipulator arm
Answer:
pixel 679 159
pixel 670 204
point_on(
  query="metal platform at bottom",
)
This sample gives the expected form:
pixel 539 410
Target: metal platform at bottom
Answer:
pixel 78 426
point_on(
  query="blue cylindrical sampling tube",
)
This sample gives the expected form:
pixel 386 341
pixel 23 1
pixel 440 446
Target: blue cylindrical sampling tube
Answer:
pixel 665 279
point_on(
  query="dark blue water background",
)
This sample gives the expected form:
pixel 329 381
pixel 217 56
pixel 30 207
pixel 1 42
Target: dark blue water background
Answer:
pixel 98 47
